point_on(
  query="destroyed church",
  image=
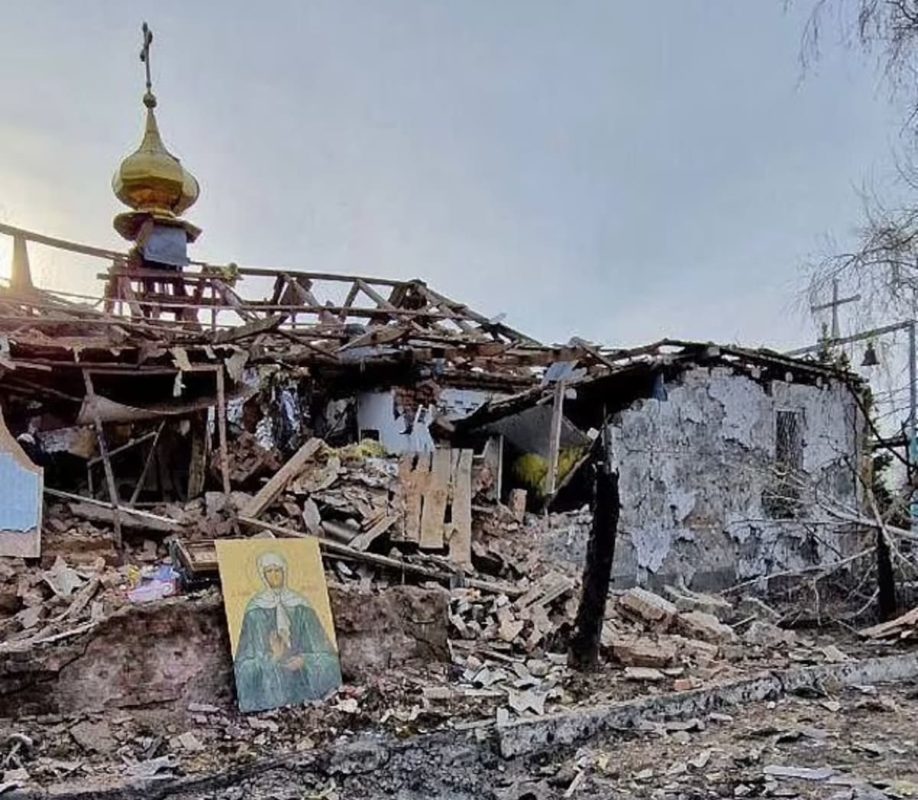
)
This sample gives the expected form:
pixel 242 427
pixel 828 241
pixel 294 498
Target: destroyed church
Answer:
pixel 442 460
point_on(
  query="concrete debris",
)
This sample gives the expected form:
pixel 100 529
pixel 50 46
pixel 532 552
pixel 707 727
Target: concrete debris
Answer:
pixel 155 768
pixel 765 634
pixel 528 700
pixel 94 736
pixel 643 652
pixel 686 600
pixel 648 607
pixel 517 504
pixel 700 625
pixel 191 743
pixel 62 579
pixel 643 674
pixel 800 773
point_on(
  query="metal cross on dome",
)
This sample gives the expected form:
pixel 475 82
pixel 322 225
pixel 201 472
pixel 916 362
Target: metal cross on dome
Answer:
pixel 145 51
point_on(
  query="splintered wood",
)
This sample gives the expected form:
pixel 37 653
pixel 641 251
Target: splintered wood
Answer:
pixel 436 492
pixel 903 627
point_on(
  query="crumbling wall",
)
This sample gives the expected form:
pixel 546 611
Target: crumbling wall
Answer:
pixel 168 654
pixel 697 470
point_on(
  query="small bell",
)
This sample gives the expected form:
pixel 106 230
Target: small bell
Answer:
pixel 870 356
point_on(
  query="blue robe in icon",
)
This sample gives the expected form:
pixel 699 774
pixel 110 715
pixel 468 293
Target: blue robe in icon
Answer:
pixel 264 679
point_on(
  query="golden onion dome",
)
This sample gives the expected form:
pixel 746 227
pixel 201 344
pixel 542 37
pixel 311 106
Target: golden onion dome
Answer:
pixel 151 179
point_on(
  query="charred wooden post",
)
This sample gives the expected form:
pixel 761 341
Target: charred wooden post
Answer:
pixel 886 578
pixel 886 581
pixel 584 650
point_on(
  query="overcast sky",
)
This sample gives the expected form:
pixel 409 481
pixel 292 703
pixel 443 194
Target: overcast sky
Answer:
pixel 616 170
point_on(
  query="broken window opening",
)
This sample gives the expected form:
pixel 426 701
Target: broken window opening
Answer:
pixel 781 500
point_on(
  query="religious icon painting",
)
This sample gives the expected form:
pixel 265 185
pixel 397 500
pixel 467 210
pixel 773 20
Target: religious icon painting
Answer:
pixel 280 622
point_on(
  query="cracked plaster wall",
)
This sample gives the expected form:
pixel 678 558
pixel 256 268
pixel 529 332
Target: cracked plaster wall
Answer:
pixel 693 469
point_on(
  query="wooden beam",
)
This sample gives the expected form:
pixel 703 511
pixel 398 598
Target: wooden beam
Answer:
pixel 554 438
pixel 253 328
pixel 337 549
pixel 121 448
pixel 233 300
pixel 103 449
pixel 197 464
pixel 348 301
pixel 221 432
pixel 435 499
pixel 413 483
pixel 124 517
pixel 278 482
pixel 460 541
pixel 363 540
pixel 153 519
pixel 61 244
pixel 146 465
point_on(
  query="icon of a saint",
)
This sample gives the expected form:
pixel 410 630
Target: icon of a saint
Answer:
pixel 284 655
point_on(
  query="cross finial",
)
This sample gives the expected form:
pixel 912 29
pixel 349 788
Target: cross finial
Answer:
pixel 148 99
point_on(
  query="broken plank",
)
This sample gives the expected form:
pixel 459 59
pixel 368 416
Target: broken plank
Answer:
pixel 414 482
pixel 155 520
pixel 127 517
pixel 460 543
pixel 364 540
pixel 893 627
pixel 547 589
pixel 253 328
pixel 278 482
pixel 435 498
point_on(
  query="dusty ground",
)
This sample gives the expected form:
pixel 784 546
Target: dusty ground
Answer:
pixel 856 743
pixel 108 746
pixel 845 744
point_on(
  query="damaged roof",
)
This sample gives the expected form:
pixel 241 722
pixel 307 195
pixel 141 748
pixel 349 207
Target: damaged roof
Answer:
pixel 610 368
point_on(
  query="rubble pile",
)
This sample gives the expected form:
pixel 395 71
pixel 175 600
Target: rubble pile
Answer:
pixel 389 427
pixel 901 628
pixel 507 618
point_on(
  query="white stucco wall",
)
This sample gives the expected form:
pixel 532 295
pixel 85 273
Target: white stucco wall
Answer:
pixel 693 469
pixel 376 411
